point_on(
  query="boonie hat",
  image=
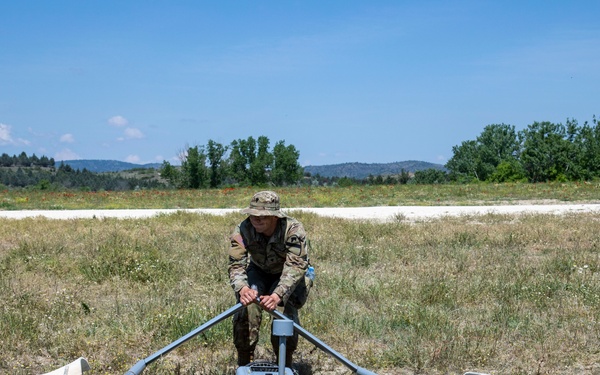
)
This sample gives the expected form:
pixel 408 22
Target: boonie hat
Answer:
pixel 264 203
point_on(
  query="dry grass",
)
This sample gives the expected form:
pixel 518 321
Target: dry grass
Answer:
pixel 490 293
pixel 353 196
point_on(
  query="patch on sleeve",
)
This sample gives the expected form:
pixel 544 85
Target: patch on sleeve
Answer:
pixel 294 245
pixel 238 238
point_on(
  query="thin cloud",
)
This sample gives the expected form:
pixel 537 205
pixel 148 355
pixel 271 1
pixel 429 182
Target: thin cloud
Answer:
pixel 133 133
pixel 67 138
pixel 118 121
pixel 7 139
pixel 132 159
pixel 66 154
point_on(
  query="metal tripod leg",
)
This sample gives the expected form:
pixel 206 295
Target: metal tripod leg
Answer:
pixel 321 345
pixel 141 365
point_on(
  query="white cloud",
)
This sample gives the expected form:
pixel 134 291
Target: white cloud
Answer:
pixel 132 159
pixel 66 154
pixel 118 121
pixel 67 138
pixel 128 133
pixel 34 133
pixel 133 133
pixel 7 139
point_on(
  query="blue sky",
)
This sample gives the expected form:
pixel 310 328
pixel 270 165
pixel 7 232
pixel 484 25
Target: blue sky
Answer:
pixel 342 81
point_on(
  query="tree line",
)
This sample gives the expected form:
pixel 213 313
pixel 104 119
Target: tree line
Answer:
pixel 250 162
pixel 244 162
pixel 542 152
pixel 25 161
pixel 66 178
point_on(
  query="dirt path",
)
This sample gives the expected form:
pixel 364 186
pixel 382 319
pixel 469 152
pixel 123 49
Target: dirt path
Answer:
pixel 370 213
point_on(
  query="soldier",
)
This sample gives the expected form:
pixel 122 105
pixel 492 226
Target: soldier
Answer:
pixel 268 259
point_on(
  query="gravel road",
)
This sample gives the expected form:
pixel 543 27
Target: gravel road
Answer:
pixel 366 213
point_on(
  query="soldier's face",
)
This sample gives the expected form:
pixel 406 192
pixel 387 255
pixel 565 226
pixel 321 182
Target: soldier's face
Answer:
pixel 264 224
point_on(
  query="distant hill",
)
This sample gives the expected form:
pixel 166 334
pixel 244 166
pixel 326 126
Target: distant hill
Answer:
pixel 351 170
pixel 98 166
pixel 364 170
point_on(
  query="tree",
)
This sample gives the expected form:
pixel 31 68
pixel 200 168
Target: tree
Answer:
pixel 545 154
pixel 345 182
pixel 170 173
pixel 575 169
pixel 250 161
pixel 45 162
pixel 242 154
pixel 194 170
pixel 5 160
pixel 404 177
pixel 463 165
pixel 431 176
pixel 508 171
pixel 34 161
pixel 587 142
pixel 23 160
pixel 479 159
pixel 215 153
pixel 390 180
pixel 286 169
pixel 496 144
pixel 65 168
pixel 261 163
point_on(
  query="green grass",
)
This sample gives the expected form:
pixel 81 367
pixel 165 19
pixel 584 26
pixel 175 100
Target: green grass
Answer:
pixel 494 293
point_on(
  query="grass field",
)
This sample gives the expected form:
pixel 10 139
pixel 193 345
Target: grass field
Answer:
pixel 490 293
pixel 356 196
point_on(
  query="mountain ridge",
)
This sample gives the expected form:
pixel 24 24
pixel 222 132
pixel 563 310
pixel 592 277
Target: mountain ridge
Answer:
pixel 101 165
pixel 351 170
pixel 364 170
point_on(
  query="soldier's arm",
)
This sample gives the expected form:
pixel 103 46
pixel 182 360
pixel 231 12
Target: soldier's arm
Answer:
pixel 296 262
pixel 238 258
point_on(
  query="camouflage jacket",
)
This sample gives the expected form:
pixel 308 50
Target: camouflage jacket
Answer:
pixel 285 253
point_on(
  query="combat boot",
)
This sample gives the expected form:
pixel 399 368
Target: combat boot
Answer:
pixel 245 357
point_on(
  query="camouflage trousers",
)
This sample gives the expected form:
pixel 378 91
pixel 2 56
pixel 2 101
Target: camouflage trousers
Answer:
pixel 247 321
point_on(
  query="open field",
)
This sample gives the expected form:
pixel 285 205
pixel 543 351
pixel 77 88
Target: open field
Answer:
pixel 309 197
pixel 494 293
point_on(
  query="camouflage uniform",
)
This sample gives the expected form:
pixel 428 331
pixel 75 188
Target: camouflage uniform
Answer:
pixel 275 264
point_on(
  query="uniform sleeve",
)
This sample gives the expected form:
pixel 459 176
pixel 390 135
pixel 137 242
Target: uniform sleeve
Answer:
pixel 238 259
pixel 296 261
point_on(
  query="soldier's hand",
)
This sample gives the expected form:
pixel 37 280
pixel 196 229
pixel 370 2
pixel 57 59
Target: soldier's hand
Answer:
pixel 270 303
pixel 247 295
